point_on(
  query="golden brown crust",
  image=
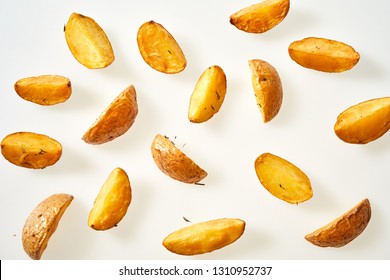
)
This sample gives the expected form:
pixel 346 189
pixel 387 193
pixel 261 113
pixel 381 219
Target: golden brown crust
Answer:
pixel 174 163
pixel 42 223
pixel 344 229
pixel 118 117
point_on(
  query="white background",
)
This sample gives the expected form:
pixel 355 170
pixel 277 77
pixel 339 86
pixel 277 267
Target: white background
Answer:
pixel 33 43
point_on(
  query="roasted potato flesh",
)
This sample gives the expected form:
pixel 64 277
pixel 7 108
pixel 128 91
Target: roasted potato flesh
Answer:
pixel 261 17
pixel 323 54
pixel 45 89
pixel 31 150
pixel 88 42
pixel 283 179
pixel 42 223
pixel 115 120
pixel 204 237
pixel 364 122
pixel 267 87
pixel 112 202
pixel 159 49
pixel 208 95
pixel 344 229
pixel 174 163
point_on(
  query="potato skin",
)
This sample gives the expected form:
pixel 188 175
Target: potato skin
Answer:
pixel 31 150
pixel 323 54
pixel 283 179
pixel 115 120
pixel 88 42
pixel 44 90
pixel 261 17
pixel 159 49
pixel 204 237
pixel 42 223
pixel 267 87
pixel 344 229
pixel 208 95
pixel 364 122
pixel 174 163
pixel 112 202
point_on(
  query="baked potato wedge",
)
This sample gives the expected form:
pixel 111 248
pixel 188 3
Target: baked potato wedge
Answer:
pixel 261 17
pixel 204 237
pixel 208 95
pixel 112 202
pixel 344 229
pixel 115 120
pixel 42 223
pixel 45 89
pixel 283 179
pixel 159 49
pixel 174 163
pixel 267 87
pixel 88 42
pixel 31 150
pixel 364 122
pixel 323 54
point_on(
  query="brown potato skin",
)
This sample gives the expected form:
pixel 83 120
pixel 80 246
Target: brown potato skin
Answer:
pixel 323 54
pixel 112 202
pixel 44 90
pixel 204 237
pixel 42 223
pixel 115 120
pixel 31 150
pixel 88 42
pixel 364 122
pixel 159 49
pixel 261 17
pixel 267 87
pixel 344 229
pixel 174 163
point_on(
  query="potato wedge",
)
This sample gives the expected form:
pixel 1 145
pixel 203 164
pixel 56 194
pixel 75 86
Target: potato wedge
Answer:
pixel 115 120
pixel 112 202
pixel 44 90
pixel 31 150
pixel 174 163
pixel 283 179
pixel 261 17
pixel 323 54
pixel 159 48
pixel 204 237
pixel 208 95
pixel 364 122
pixel 42 223
pixel 88 42
pixel 267 87
pixel 344 229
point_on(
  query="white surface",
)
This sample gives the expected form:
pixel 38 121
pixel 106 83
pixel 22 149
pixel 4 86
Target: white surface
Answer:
pixel 33 43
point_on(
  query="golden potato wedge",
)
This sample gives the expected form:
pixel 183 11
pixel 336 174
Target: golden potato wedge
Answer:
pixel 159 48
pixel 174 163
pixel 323 54
pixel 267 87
pixel 45 89
pixel 204 237
pixel 364 122
pixel 344 229
pixel 261 17
pixel 42 223
pixel 31 150
pixel 208 95
pixel 88 42
pixel 115 120
pixel 283 179
pixel 112 202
